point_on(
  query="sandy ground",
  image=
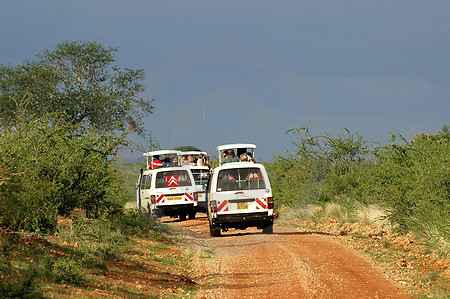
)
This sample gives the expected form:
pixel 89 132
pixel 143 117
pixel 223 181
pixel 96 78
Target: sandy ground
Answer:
pixel 288 263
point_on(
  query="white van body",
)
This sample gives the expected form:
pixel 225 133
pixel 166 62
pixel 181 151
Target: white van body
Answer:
pixel 240 196
pixel 167 191
pixel 201 176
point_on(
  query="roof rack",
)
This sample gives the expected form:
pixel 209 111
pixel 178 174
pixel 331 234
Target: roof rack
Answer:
pixel 150 155
pixel 193 153
pixel 224 147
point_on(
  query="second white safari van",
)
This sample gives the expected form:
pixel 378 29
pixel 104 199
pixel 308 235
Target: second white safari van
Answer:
pixel 239 196
pixel 167 189
pixel 201 177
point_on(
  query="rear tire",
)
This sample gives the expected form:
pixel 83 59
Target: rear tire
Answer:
pixel 214 231
pixel 182 217
pixel 192 215
pixel 268 229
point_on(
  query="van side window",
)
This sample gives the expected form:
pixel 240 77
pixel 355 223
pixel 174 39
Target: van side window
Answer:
pixel 240 179
pixel 146 182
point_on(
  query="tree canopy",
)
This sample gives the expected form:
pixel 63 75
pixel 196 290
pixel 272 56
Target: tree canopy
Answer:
pixel 187 148
pixel 77 80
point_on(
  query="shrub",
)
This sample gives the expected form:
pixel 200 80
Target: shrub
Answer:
pixel 413 180
pixel 68 270
pixel 408 180
pixel 49 168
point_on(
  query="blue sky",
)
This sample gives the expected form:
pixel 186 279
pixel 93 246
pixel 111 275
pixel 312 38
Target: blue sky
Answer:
pixel 246 71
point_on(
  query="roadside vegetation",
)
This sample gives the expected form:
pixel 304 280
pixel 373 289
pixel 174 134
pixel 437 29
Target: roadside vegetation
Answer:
pixel 399 189
pixel 63 226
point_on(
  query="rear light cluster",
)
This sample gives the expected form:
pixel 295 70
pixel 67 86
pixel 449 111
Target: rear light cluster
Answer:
pixel 153 199
pixel 213 206
pixel 195 196
pixel 270 202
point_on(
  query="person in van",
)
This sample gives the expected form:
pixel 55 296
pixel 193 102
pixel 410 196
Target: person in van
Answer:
pixel 155 163
pixel 230 157
pixel 202 160
pixel 191 161
pixel 243 157
pixel 168 162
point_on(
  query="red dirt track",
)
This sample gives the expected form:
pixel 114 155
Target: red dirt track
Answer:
pixel 288 263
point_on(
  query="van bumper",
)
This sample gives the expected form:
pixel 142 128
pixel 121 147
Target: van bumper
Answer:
pixel 242 221
pixel 173 210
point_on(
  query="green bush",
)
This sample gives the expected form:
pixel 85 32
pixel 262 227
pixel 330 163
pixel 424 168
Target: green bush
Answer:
pixel 128 174
pixel 289 178
pixel 136 223
pixel 413 180
pixel 21 285
pixel 16 281
pixel 68 270
pixel 49 168
pixel 409 179
pixel 324 168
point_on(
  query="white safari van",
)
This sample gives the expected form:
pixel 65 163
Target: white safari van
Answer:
pixel 239 194
pixel 165 188
pixel 201 177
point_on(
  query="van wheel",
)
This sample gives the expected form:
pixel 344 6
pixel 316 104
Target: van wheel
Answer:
pixel 214 231
pixel 268 229
pixel 182 217
pixel 192 215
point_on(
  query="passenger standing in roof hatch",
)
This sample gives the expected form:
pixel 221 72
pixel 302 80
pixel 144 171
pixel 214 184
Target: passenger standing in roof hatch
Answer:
pixel 230 157
pixel 202 160
pixel 191 161
pixel 243 157
pixel 168 163
pixel 155 163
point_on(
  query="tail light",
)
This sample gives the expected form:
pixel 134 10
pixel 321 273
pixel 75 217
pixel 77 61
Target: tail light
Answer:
pixel 270 202
pixel 213 206
pixel 153 199
pixel 195 196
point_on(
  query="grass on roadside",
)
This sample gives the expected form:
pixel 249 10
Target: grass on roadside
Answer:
pixel 125 256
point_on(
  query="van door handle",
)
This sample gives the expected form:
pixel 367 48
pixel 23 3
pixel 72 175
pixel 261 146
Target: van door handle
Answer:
pixel 239 193
pixel 172 188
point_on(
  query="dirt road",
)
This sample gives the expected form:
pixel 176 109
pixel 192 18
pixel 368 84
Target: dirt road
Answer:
pixel 288 263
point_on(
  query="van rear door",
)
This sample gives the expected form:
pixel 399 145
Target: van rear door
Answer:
pixel 242 190
pixel 174 187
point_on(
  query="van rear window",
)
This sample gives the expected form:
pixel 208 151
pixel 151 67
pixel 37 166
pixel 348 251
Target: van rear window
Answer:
pixel 240 179
pixel 201 176
pixel 174 178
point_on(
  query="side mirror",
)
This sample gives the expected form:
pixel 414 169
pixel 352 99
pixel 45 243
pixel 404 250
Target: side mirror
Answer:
pixel 136 185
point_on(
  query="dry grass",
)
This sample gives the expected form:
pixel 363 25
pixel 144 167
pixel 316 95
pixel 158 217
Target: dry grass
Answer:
pixel 439 242
pixel 371 215
pixel 364 214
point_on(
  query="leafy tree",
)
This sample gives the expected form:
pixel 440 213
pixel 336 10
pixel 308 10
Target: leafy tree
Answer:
pixel 78 79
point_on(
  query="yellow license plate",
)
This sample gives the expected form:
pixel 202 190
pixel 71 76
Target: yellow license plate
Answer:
pixel 242 205
pixel 174 198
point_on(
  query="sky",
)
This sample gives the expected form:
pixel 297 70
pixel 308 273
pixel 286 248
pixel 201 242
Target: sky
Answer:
pixel 247 71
